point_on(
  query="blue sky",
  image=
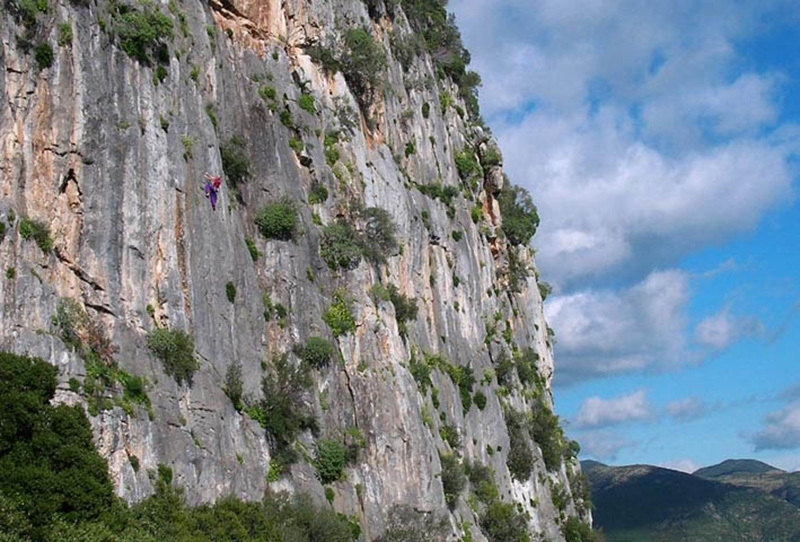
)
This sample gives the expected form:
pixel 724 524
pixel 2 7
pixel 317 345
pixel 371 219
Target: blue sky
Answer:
pixel 661 143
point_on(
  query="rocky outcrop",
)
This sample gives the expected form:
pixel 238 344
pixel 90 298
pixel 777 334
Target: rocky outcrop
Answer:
pixel 106 135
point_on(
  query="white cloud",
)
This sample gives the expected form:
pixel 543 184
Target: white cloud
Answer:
pixel 683 465
pixel 721 330
pixel 633 124
pixel 601 333
pixel 603 445
pixel 781 429
pixel 690 408
pixel 597 412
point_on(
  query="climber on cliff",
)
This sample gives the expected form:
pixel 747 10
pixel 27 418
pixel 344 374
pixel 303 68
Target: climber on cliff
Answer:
pixel 212 189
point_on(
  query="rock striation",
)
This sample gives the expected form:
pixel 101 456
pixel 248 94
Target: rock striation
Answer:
pixel 114 110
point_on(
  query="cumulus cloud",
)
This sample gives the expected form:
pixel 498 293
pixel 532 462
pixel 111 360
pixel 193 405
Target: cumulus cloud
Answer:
pixel 604 445
pixel 687 409
pixel 597 412
pixel 626 119
pixel 602 332
pixel 781 429
pixel 722 329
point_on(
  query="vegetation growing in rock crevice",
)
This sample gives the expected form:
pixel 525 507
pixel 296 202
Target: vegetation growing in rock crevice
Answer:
pixel 235 163
pixel 339 315
pixel 372 236
pixel 175 348
pixel 143 31
pixel 38 231
pixel 277 220
pixel 520 217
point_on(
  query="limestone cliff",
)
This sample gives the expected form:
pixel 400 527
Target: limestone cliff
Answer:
pixel 112 113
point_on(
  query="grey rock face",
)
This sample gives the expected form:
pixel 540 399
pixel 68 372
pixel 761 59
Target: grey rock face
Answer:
pixel 108 152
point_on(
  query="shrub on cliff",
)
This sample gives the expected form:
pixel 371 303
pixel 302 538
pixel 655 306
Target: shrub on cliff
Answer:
pixel 38 231
pixel 142 32
pixel 363 63
pixel 339 315
pixel 453 479
pixel 235 162
pixel 277 220
pixel 501 522
pixel 317 352
pixel 520 217
pixel 340 247
pixel 175 349
pixel 331 460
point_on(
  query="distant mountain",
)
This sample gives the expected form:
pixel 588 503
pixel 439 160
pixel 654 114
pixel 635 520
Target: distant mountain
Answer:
pixel 645 503
pixel 735 467
pixel 756 475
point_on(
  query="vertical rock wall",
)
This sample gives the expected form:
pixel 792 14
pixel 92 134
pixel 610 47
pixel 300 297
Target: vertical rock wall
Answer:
pixel 108 152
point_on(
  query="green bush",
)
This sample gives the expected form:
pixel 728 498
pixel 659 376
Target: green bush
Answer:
pixel 426 110
pixel 340 248
pixel 318 193
pixel 464 379
pixel 29 9
pixel 466 164
pixel 520 456
pixel 49 467
pixel 546 431
pixel 325 57
pixel 277 220
pixel 330 461
pixel 317 352
pixel 575 530
pixel 363 63
pixel 405 308
pixel 306 103
pixel 44 55
pixel 235 162
pixel 142 33
pixel 252 249
pixel 502 522
pixel 421 372
pixel 480 400
pixel 339 315
pixel 38 231
pixel 491 158
pixel 449 434
pixel 234 384
pixel 379 234
pixel 520 217
pixel 268 94
pixel 453 479
pixel 481 479
pixel 175 349
pixel 230 291
pixel 282 411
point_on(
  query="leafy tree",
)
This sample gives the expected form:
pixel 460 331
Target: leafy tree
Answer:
pixel 520 217
pixel 175 349
pixel 48 464
pixel 277 220
pixel 363 63
pixel 235 162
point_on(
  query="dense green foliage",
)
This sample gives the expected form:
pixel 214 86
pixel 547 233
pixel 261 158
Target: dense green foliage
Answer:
pixel 501 522
pixel 575 530
pixel 340 247
pixel 343 244
pixel 466 164
pixel 282 411
pixel 317 352
pixel 546 432
pixel 38 231
pixel 277 220
pixel 520 217
pixel 234 384
pixel 331 460
pixel 235 162
pixel 142 32
pixel 339 315
pixel 443 41
pixel 520 456
pixel 175 348
pixel 44 55
pixel 49 468
pixel 230 291
pixel 453 479
pixel 363 63
pixel 252 249
pixel 318 192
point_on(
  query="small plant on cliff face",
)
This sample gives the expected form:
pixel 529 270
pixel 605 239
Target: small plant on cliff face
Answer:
pixel 235 162
pixel 317 352
pixel 306 103
pixel 453 479
pixel 142 33
pixel 175 349
pixel 277 220
pixel 340 246
pixel 520 217
pixel 331 460
pixel 230 291
pixel 502 521
pixel 38 231
pixel 363 63
pixel 44 55
pixel 339 315
pixel 64 34
pixel 234 386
